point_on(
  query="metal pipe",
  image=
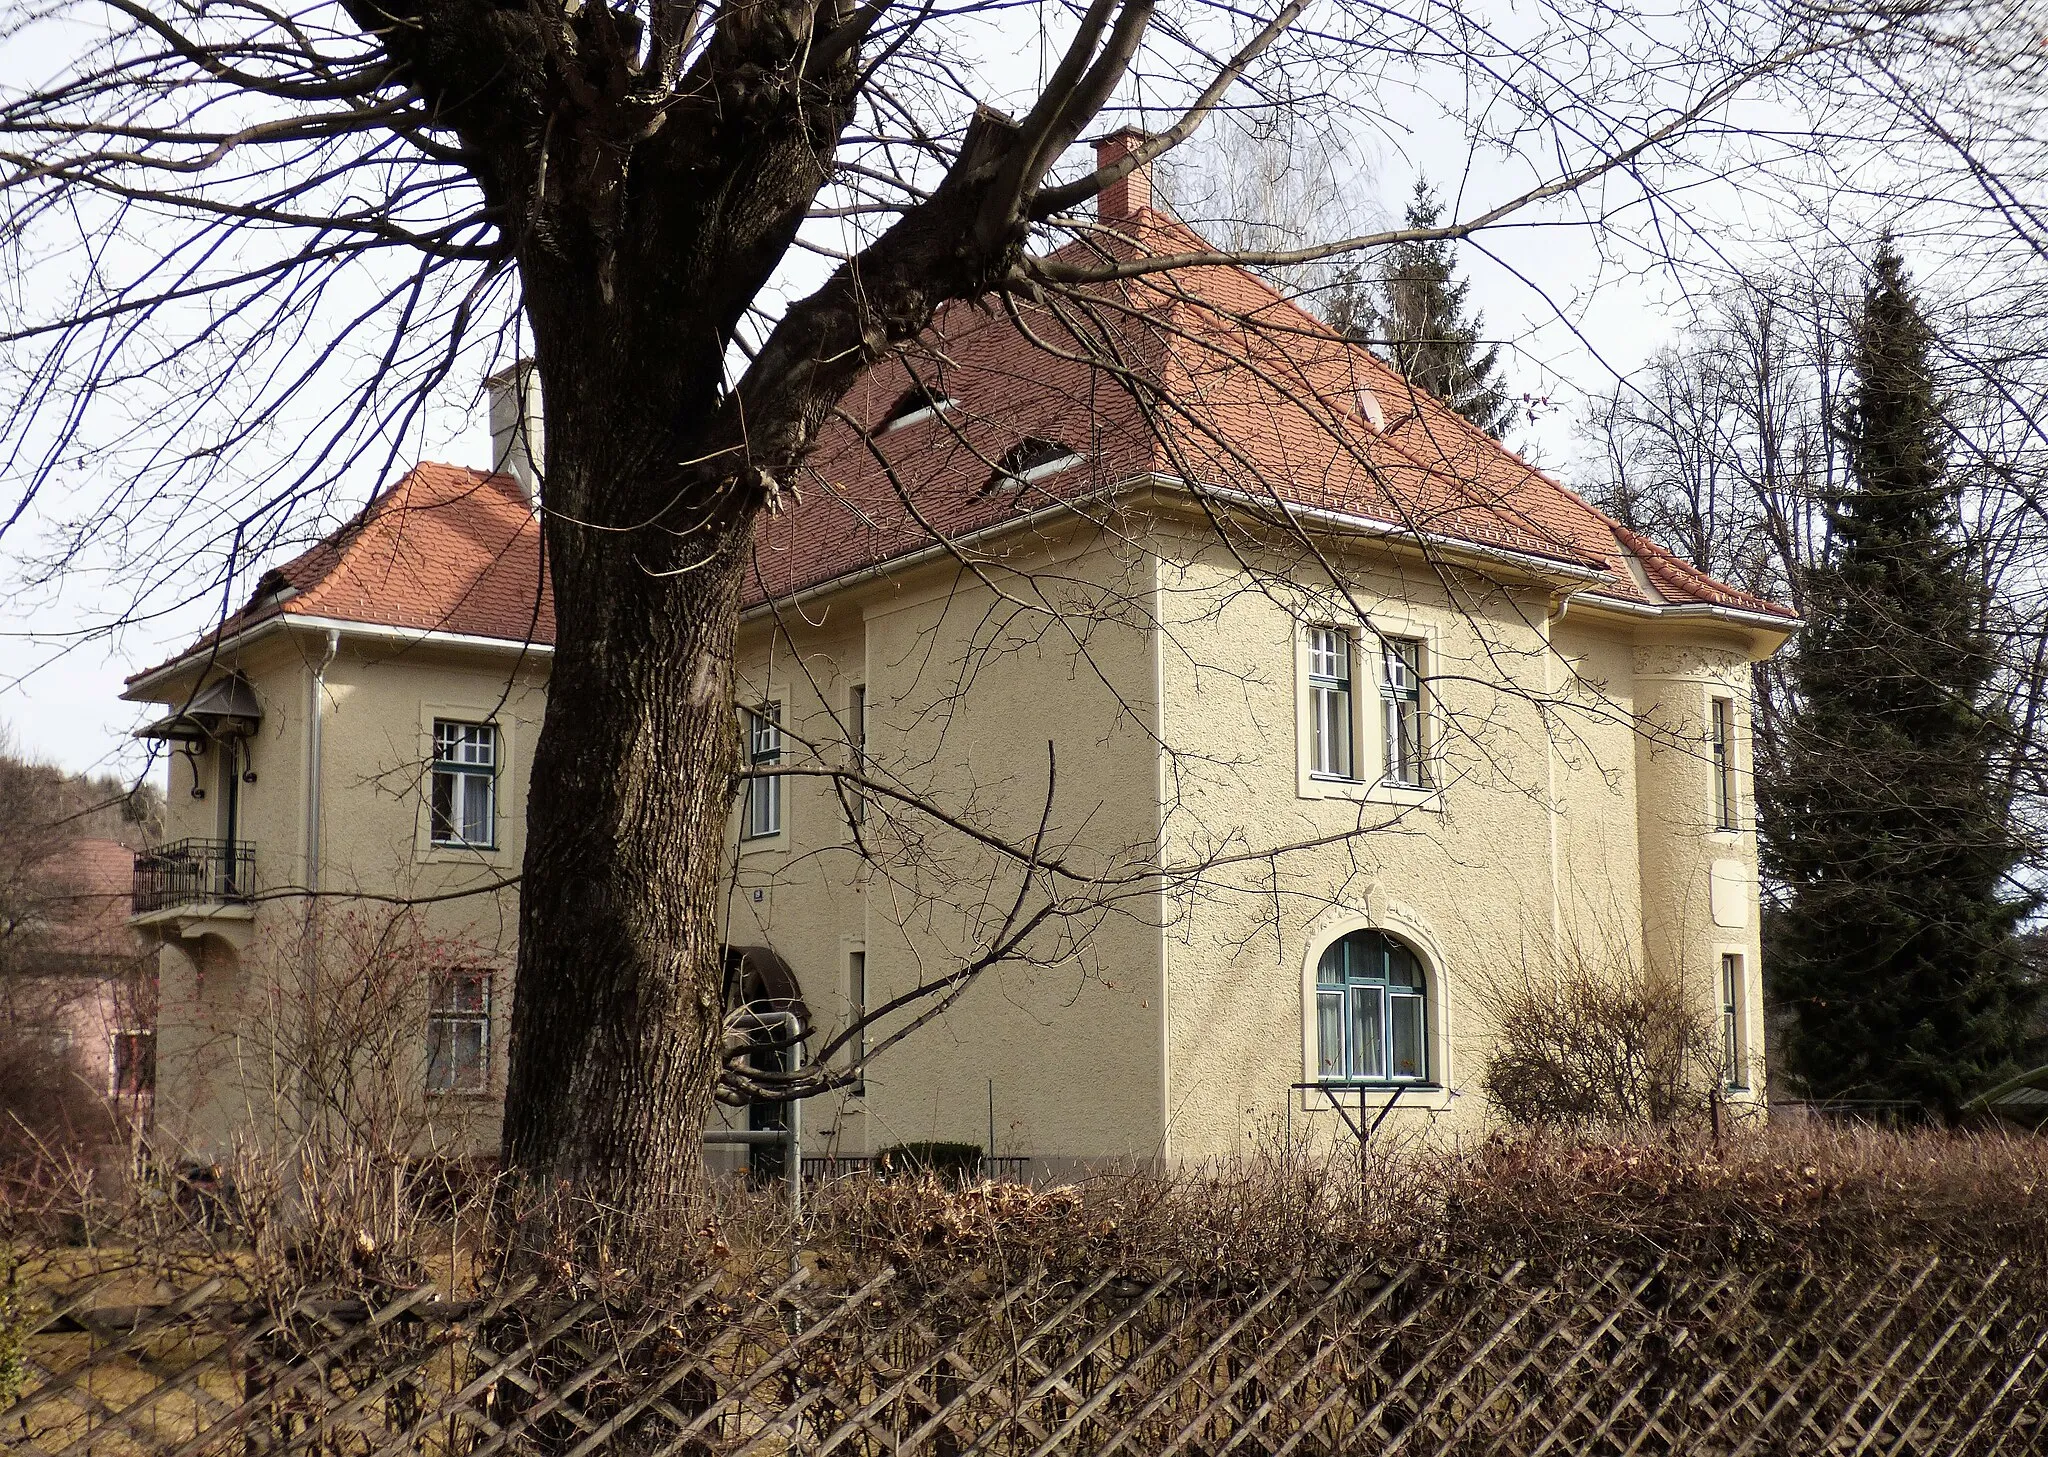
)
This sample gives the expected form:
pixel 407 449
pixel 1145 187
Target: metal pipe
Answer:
pixel 791 1135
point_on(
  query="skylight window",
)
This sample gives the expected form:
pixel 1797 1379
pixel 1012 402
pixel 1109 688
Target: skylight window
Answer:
pixel 1032 459
pixel 915 404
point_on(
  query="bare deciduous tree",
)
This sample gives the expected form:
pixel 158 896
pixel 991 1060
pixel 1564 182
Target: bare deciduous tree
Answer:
pixel 262 239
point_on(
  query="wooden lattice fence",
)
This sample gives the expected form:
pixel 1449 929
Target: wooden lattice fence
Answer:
pixel 1420 1359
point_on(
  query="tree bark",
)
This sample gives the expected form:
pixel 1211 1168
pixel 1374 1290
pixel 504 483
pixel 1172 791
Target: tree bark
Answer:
pixel 616 1025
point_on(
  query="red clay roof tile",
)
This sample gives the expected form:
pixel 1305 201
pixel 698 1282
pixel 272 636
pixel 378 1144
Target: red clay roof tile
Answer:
pixel 1202 374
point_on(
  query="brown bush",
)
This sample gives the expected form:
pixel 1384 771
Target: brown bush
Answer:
pixel 1583 1045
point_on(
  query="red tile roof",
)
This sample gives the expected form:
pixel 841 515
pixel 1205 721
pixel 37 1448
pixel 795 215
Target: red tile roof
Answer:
pixel 447 549
pixel 1203 375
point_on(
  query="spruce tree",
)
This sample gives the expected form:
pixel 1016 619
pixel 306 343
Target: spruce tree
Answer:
pixel 1886 826
pixel 1413 313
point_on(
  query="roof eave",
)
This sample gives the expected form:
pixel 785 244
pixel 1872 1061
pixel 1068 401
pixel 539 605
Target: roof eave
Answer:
pixel 140 689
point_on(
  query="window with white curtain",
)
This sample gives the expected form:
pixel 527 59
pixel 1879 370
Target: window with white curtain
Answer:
pixel 1372 1015
pixel 465 784
pixel 1330 753
pixel 1401 710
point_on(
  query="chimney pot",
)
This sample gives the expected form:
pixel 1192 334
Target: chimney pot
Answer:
pixel 518 428
pixel 1133 192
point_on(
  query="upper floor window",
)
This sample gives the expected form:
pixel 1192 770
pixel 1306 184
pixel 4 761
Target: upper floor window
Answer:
pixel 465 784
pixel 1329 704
pixel 1401 707
pixel 857 748
pixel 1727 805
pixel 1372 1018
pixel 459 1030
pixel 764 748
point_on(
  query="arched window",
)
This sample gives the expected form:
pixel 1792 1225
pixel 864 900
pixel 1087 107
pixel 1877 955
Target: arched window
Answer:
pixel 1372 1017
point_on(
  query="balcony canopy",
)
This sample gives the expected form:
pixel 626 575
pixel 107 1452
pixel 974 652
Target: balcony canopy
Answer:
pixel 224 709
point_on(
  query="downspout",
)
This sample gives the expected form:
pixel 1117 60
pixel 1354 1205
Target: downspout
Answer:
pixel 310 950
pixel 314 701
pixel 1550 656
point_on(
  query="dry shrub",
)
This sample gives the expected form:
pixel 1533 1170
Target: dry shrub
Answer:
pixel 1583 1045
pixel 1825 1196
pixel 49 1114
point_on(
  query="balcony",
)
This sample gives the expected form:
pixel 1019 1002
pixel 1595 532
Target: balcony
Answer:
pixel 194 873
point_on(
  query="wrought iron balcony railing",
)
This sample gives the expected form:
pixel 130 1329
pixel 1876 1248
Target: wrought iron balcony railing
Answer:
pixel 189 871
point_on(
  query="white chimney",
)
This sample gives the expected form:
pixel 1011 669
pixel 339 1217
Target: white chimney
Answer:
pixel 518 427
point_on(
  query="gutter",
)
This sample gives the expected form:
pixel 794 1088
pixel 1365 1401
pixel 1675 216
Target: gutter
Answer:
pixel 137 688
pixel 889 566
pixel 1738 616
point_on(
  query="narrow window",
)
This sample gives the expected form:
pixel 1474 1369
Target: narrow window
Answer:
pixel 1401 703
pixel 134 1064
pixel 914 405
pixel 1031 459
pixel 857 744
pixel 1329 704
pixel 1372 1020
pixel 459 1030
pixel 1725 789
pixel 857 1000
pixel 1735 1072
pixel 465 784
pixel 764 748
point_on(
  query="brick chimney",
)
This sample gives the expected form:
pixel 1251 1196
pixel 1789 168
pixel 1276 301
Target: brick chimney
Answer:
pixel 1123 198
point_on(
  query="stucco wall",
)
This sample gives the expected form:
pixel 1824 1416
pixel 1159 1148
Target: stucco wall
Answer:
pixel 1569 816
pixel 969 682
pixel 1549 819
pixel 239 991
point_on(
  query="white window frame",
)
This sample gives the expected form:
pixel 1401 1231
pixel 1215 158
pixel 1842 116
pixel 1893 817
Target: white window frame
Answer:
pixel 1332 704
pixel 459 774
pixel 1734 1000
pixel 857 748
pixel 1402 718
pixel 1370 784
pixel 446 1015
pixel 1727 783
pixel 764 795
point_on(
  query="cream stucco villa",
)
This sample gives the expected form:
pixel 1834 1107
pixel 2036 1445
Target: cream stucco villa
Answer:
pixel 1311 716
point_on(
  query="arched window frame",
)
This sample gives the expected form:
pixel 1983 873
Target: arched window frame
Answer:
pixel 1433 1092
pixel 1372 1011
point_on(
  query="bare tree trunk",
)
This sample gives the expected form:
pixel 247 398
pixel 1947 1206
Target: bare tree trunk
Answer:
pixel 615 1026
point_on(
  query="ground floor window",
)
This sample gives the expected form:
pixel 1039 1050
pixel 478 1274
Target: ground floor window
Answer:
pixel 1733 1056
pixel 459 1031
pixel 1372 1017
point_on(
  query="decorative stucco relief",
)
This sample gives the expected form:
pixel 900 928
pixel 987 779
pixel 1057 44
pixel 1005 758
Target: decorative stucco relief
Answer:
pixel 1676 660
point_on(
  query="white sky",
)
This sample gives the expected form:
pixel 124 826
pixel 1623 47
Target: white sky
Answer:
pixel 1570 320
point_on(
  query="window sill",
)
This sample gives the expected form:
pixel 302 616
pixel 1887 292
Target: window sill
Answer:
pixel 445 854
pixel 1370 791
pixel 1431 1097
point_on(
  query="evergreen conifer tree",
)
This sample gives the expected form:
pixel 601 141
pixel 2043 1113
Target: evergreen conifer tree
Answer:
pixel 1885 824
pixel 1413 312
